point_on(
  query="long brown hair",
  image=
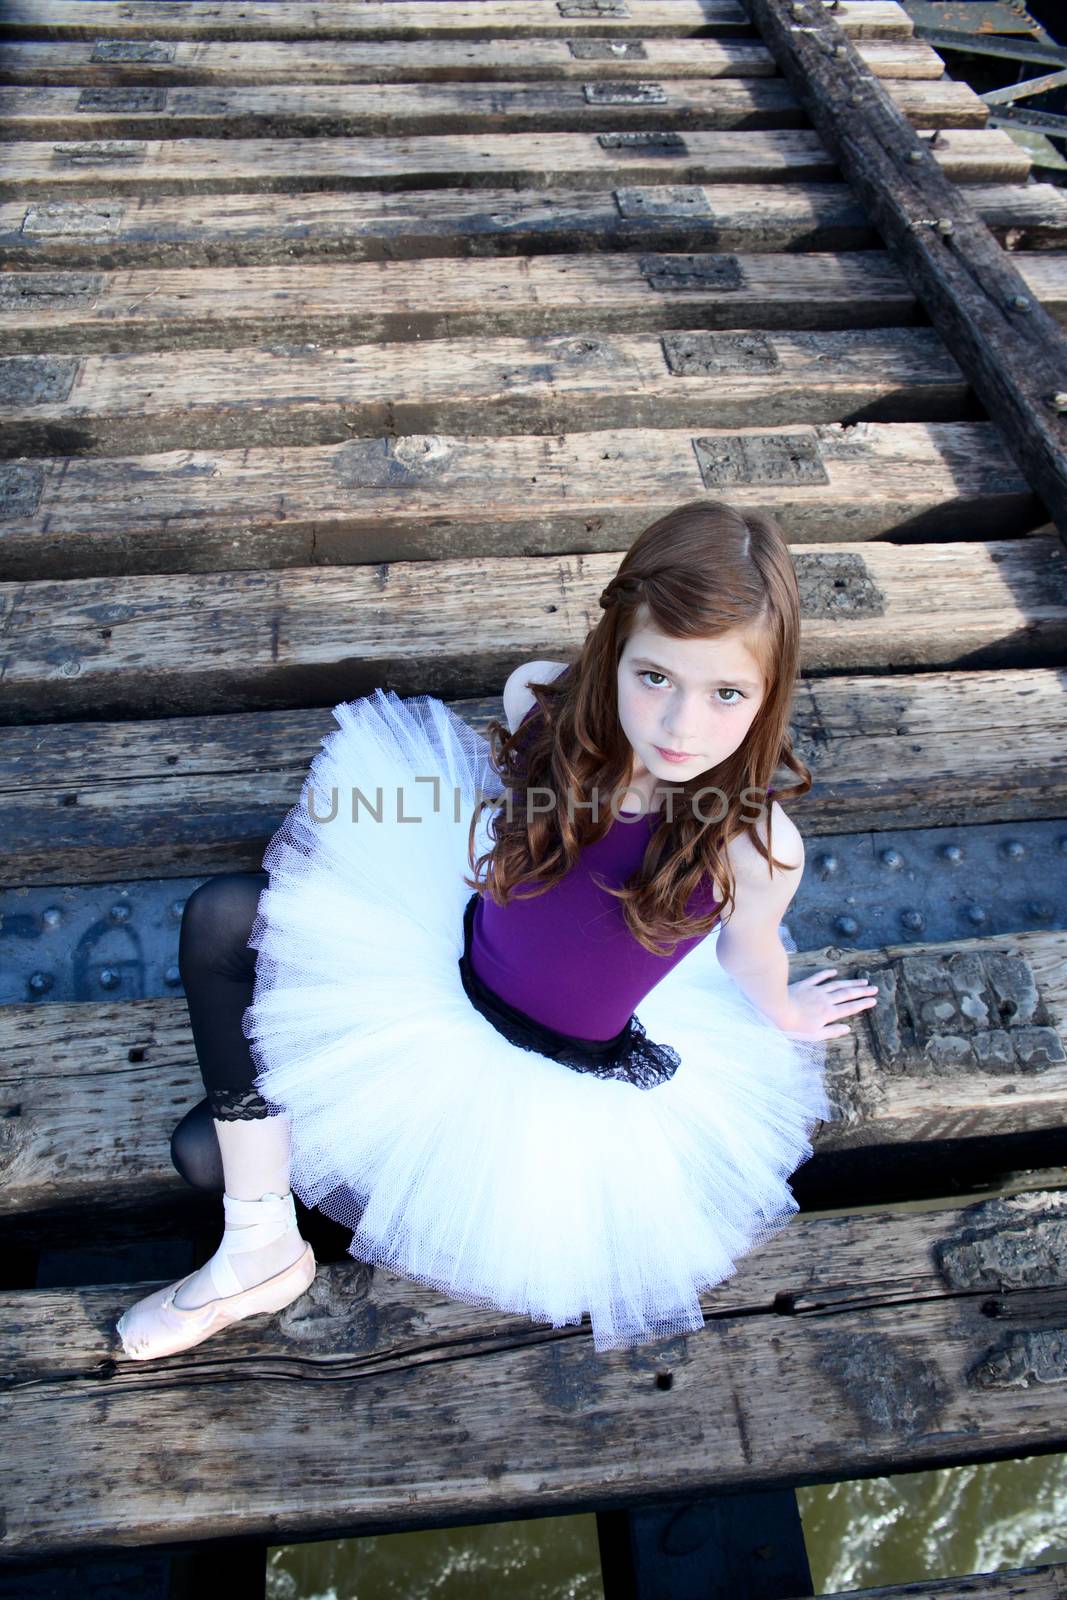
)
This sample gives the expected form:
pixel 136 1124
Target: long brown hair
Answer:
pixel 702 570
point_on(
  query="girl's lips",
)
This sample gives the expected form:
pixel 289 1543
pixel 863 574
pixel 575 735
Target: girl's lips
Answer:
pixel 669 755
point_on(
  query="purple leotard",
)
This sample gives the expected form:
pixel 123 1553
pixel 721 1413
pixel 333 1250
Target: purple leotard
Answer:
pixel 566 958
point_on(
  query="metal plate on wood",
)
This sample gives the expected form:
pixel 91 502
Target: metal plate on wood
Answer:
pixel 678 202
pixel 36 380
pixel 753 459
pixel 133 50
pixel 607 50
pixel 19 289
pixel 691 355
pixel 21 486
pixel 671 274
pixel 92 218
pixel 106 153
pixel 110 98
pixel 624 94
pixel 836 583
pixel 644 144
pixel 617 10
pixel 971 1011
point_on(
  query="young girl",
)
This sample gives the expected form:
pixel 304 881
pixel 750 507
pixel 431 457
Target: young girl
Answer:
pixel 461 1078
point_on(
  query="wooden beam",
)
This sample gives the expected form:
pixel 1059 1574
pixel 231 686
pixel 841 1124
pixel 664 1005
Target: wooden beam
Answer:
pixel 1012 351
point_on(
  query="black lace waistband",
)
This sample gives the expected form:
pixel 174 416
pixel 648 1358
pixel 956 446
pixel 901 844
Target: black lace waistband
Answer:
pixel 630 1055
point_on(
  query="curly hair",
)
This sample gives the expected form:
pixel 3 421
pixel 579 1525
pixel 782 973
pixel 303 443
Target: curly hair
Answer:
pixel 702 570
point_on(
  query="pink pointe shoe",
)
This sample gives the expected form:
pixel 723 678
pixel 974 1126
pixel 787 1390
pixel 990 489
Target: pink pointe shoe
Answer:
pixel 156 1327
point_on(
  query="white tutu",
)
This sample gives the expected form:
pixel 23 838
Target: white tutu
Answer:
pixel 459 1159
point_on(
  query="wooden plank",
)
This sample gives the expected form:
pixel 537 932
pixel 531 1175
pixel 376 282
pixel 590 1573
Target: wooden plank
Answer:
pixel 911 1341
pixel 255 61
pixel 433 109
pixel 173 644
pixel 1009 1583
pixel 238 229
pixel 282 19
pixel 282 394
pixel 1013 352
pixel 423 497
pixel 566 160
pixel 92 803
pixel 368 302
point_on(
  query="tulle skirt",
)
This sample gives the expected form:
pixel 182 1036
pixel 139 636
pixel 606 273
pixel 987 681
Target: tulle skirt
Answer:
pixel 463 1160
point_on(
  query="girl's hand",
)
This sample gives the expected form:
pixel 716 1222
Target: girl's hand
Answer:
pixel 816 1008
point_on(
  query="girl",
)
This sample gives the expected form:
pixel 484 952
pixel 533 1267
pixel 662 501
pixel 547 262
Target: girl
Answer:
pixel 460 1078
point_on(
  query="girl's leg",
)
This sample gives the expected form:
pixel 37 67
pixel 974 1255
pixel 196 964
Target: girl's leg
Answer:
pixel 261 1238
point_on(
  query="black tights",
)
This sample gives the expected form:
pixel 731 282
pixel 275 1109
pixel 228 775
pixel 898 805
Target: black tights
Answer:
pixel 218 970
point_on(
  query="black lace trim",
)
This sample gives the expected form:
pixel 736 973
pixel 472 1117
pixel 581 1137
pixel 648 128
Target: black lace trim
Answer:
pixel 630 1056
pixel 239 1105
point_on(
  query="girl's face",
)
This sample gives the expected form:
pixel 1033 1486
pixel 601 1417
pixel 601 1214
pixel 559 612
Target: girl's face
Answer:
pixel 698 696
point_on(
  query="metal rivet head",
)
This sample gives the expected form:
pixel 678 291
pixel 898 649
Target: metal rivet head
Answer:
pixel 914 921
pixel 953 853
pixel 945 225
pixel 826 863
pixel 848 927
pixel 172 977
pixel 976 915
pixel 1015 849
pixel 892 858
pixel 109 978
pixel 1019 302
pixel 52 916
pixel 40 982
pixel 120 912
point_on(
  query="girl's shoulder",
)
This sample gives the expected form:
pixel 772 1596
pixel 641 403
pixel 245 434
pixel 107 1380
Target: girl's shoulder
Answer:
pixel 518 701
pixel 750 869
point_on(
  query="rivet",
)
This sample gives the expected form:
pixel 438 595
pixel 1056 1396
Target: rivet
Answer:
pixel 121 912
pixel 172 977
pixel 892 858
pixel 177 907
pixel 1014 849
pixel 108 978
pixel 847 926
pixel 827 863
pixel 52 917
pixel 976 915
pixel 40 982
pixel 1019 302
pixel 945 225
pixel 953 853
pixel 914 921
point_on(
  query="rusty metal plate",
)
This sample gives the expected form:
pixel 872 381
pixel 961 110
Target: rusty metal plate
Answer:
pixel 690 355
pixel 138 50
pixel 92 218
pixel 624 94
pixel 607 49
pixel 644 144
pixel 122 99
pixel 753 459
pixel 836 583
pixel 672 274
pixel 105 153
pixel 670 202
pixel 21 486
pixel 19 289
pixel 36 380
pixel 970 1011
pixel 616 10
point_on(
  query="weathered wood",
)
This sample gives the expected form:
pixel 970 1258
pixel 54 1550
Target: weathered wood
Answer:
pixel 424 497
pixel 432 109
pixel 91 803
pixel 182 643
pixel 281 394
pixel 1013 352
pixel 283 19
pixel 255 61
pixel 368 302
pixel 1009 1583
pixel 178 231
pixel 565 160
pixel 911 1340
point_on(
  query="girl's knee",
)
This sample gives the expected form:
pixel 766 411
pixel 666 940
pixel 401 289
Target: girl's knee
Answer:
pixel 217 919
pixel 194 1150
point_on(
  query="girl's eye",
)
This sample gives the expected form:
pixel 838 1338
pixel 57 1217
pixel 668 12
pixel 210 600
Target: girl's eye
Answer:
pixel 649 672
